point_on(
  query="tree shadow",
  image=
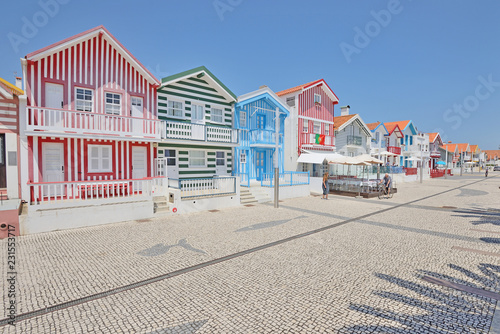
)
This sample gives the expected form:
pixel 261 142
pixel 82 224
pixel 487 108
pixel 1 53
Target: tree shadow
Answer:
pixel 480 216
pixel 439 310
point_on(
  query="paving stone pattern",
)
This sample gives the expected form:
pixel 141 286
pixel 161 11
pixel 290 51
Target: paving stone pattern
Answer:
pixel 364 276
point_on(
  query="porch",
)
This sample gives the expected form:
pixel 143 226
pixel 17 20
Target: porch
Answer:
pixel 200 132
pixel 80 123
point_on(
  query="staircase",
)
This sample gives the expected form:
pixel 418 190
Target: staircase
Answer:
pixel 160 204
pixel 246 196
pixel 253 195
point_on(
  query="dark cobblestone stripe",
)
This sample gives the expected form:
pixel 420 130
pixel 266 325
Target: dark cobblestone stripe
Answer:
pixel 202 265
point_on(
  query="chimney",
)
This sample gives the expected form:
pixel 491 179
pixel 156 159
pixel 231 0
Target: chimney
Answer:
pixel 263 86
pixel 344 111
pixel 19 83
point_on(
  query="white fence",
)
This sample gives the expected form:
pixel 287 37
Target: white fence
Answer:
pixel 204 187
pixel 65 194
pixel 89 122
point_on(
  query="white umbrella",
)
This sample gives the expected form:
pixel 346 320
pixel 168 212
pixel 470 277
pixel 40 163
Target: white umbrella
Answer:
pixel 387 153
pixel 413 159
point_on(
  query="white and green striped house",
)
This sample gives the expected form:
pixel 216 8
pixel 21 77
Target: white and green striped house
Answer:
pixel 198 110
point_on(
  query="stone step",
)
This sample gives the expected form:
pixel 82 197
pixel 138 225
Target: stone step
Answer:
pixel 162 209
pixel 248 201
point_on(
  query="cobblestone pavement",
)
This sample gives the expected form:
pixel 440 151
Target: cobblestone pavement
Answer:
pixel 365 273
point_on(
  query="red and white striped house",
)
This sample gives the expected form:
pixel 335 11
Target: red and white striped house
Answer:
pixel 311 122
pixel 9 139
pixel 90 122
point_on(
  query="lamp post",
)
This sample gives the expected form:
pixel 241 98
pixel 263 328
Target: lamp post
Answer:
pixel 446 158
pixel 276 160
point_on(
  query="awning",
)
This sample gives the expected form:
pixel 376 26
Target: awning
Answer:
pixel 312 158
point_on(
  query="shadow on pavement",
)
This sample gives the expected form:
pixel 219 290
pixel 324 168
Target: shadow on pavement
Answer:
pixel 434 309
pixel 480 216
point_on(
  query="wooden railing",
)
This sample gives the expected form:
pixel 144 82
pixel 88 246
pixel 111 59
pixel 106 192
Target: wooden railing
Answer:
pixel 80 122
pixel 394 149
pixel 69 193
pixel 191 131
pixel 205 187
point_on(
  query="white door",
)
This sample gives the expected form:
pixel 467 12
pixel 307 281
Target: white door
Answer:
pixel 138 114
pixel 53 167
pixel 139 165
pixel 220 163
pixel 172 167
pixel 53 100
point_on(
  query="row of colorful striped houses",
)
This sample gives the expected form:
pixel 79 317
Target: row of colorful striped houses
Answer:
pixel 92 126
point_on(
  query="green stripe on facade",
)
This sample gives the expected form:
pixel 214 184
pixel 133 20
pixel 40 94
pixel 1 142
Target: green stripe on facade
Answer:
pixel 183 152
pixel 196 98
pixel 211 166
pixel 197 86
pixel 188 102
pixel 162 105
pixel 207 105
pixel 228 115
pixel 183 166
pixel 197 172
pixel 183 159
pixel 198 80
pixel 227 109
pixel 210 159
pixel 187 108
pixel 162 98
pixel 187 115
pixel 211 153
pixel 195 92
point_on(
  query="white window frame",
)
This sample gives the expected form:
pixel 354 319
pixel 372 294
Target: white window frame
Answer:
pixel 217 160
pixel 169 108
pixel 106 103
pixel 243 157
pixel 100 157
pixel 317 125
pixel 204 159
pixel 212 115
pixel 84 101
pixel 317 98
pixel 305 126
pixel 243 119
pixel 195 106
pixel 327 129
pixel 170 158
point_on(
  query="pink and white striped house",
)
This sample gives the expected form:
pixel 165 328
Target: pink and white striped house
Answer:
pixel 90 122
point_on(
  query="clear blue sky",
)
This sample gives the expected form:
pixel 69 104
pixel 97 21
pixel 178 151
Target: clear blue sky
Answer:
pixel 429 61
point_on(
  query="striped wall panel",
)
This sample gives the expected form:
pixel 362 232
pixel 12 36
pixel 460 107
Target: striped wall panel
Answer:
pixel 186 171
pixel 96 64
pixel 9 106
pixel 194 91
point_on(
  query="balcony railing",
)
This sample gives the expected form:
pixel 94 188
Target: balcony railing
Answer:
pixel 435 154
pixel 74 193
pixel 310 139
pixel 201 132
pixel 354 140
pixel 81 122
pixel 394 149
pixel 205 187
pixel 261 136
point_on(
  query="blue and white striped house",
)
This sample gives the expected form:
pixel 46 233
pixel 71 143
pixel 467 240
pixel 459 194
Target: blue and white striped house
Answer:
pixel 255 120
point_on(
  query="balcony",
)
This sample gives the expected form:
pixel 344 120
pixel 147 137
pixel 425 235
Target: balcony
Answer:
pixel 264 137
pixel 435 154
pixel 84 123
pixel 354 140
pixel 309 140
pixel 394 149
pixel 201 132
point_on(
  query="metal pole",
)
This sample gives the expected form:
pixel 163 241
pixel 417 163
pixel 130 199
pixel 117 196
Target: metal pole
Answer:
pixel 421 163
pixel 461 163
pixel 446 166
pixel 276 160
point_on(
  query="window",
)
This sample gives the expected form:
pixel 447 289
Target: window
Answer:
pixel 290 101
pixel 305 128
pixel 113 103
pixel 327 129
pixel 170 156
pixel 220 158
pixel 197 159
pixel 99 158
pixel 317 127
pixel 317 98
pixel 243 119
pixel 243 158
pixel 174 108
pixel 216 115
pixel 377 137
pixel 83 99
pixel 197 113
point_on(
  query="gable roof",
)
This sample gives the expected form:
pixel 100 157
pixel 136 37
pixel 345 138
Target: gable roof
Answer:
pixel 474 148
pixel 403 125
pixel 341 122
pixel 13 89
pixel 433 136
pixel 492 154
pixel 449 147
pixel 395 129
pixel 320 82
pixel 338 121
pixel 463 147
pixel 373 126
pixel 65 43
pixel 200 72
pixel 263 93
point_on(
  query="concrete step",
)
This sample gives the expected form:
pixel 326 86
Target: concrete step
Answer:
pixel 162 209
pixel 249 201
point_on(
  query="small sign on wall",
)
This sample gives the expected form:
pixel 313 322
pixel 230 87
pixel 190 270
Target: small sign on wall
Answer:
pixel 12 158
